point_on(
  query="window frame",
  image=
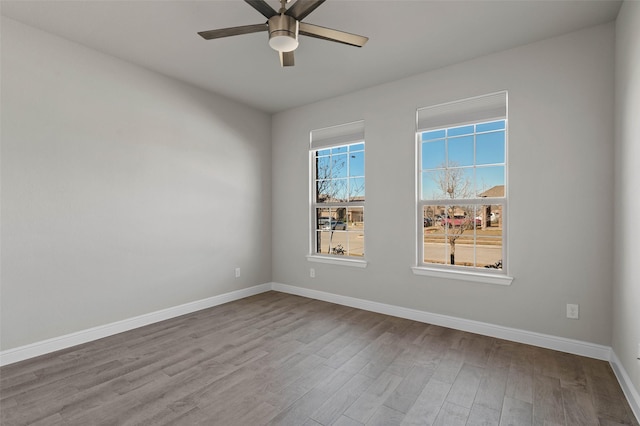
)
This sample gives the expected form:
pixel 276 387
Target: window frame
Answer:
pixel 338 137
pixel 459 272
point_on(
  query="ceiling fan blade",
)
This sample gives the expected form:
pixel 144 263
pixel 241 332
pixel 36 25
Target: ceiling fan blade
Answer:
pixel 300 9
pixel 232 31
pixel 262 7
pixel 286 59
pixel 332 35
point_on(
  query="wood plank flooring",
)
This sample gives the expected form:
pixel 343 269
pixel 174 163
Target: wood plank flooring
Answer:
pixel 280 359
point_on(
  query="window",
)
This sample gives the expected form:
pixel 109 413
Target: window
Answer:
pixel 462 185
pixel 338 191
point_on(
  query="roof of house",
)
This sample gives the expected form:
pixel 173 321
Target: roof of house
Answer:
pixel 496 191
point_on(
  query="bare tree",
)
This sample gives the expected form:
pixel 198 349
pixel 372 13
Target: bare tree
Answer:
pixel 453 184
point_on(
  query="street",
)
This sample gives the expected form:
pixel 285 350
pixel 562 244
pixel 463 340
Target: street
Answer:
pixel 485 255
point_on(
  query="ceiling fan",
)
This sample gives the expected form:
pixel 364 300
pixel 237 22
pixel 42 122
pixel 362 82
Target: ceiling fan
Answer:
pixel 284 27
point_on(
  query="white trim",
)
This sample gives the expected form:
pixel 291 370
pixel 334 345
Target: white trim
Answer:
pixel 356 263
pixel 625 383
pixel 21 353
pixel 576 347
pixel 462 275
pixel 432 269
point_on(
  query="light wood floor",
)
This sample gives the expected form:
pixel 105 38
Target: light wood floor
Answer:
pixel 280 359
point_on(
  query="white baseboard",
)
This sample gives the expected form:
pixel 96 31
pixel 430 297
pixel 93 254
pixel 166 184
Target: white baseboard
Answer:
pixel 516 335
pixel 576 347
pixel 625 383
pixel 21 353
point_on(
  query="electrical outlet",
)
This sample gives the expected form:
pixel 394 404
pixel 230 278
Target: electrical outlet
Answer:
pixel 312 272
pixel 573 311
pixel 237 272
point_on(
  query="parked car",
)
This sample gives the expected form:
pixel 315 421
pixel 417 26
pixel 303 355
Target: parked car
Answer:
pixel 339 225
pixel 459 221
pixel 334 225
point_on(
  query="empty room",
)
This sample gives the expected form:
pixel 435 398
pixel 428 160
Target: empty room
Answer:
pixel 309 212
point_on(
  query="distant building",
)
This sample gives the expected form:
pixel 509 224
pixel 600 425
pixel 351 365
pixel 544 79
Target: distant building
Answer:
pixel 491 215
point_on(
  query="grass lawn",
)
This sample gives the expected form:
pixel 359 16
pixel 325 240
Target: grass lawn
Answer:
pixel 489 236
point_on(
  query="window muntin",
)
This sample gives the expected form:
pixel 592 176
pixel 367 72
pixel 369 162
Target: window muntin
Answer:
pixel 338 200
pixel 462 185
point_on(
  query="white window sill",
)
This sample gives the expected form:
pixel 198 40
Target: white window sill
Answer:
pixel 463 275
pixel 356 263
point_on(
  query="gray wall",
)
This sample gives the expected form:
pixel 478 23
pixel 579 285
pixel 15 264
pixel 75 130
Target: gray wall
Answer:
pixel 123 191
pixel 626 215
pixel 561 188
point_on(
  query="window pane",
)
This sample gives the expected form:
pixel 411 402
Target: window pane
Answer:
pixel 323 167
pixel 435 247
pixel 431 215
pixel 323 217
pixel 340 190
pixel 356 189
pixel 339 149
pixel 490 148
pixel 489 250
pixel 494 125
pixel 324 152
pixel 339 165
pixel 448 184
pixel 434 134
pixel 458 183
pixel 458 227
pixel 494 216
pixel 355 218
pixel 430 186
pixel 460 151
pixel 356 147
pixel 461 252
pixel 324 191
pixel 340 214
pixel 323 242
pixel 356 164
pixel 338 243
pixel 356 244
pixel 458 219
pixel 490 181
pixel 457 131
pixel 433 154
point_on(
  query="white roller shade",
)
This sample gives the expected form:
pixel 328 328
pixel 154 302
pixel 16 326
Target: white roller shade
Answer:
pixel 472 110
pixel 337 135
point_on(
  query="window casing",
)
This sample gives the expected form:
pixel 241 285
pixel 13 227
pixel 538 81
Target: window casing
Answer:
pixel 462 186
pixel 338 192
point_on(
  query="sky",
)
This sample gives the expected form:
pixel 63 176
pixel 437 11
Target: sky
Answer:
pixel 477 150
pixel 481 157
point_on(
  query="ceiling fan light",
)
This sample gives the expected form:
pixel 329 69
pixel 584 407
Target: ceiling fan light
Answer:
pixel 283 43
pixel 283 33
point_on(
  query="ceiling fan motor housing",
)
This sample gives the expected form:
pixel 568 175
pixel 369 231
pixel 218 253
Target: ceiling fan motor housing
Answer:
pixel 283 33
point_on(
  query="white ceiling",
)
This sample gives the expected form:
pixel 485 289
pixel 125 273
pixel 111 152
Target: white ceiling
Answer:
pixel 406 37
